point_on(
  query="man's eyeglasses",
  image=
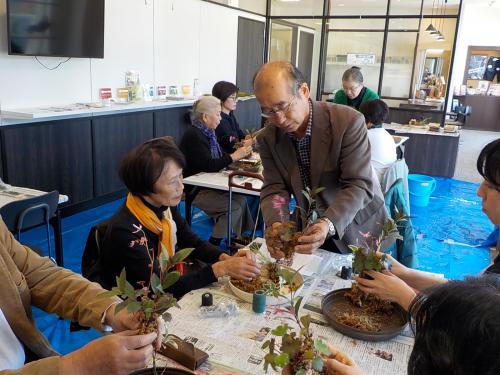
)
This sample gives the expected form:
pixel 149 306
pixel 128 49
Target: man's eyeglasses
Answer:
pixel 281 108
pixel 233 98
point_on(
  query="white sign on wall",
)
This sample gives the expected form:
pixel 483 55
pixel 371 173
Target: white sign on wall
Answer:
pixel 360 58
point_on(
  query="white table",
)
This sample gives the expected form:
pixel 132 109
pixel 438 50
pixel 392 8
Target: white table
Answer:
pixel 219 181
pixel 233 343
pixel 10 194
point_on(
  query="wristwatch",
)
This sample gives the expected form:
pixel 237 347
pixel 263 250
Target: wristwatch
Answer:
pixel 331 227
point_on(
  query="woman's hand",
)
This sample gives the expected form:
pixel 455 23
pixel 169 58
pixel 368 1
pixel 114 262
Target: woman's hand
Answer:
pixel 239 267
pixel 241 153
pixel 341 364
pixel 386 286
pixel 396 268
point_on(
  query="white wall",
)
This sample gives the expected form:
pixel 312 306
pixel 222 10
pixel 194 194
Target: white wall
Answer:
pixel 170 42
pixel 478 27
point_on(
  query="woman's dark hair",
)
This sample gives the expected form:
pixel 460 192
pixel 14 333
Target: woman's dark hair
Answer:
pixel 375 111
pixel 143 166
pixel 488 163
pixel 457 328
pixel 353 74
pixel 223 90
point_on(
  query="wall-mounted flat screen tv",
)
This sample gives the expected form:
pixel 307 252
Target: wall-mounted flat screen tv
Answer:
pixel 65 28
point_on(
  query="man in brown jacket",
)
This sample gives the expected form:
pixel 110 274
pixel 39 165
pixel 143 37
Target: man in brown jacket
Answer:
pixel 315 144
pixel 27 279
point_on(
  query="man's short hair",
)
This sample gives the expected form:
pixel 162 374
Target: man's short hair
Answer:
pixel 142 167
pixel 223 90
pixel 294 75
pixel 375 111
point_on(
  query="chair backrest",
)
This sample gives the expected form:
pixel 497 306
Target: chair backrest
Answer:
pixel 397 170
pixel 30 212
pixel 93 248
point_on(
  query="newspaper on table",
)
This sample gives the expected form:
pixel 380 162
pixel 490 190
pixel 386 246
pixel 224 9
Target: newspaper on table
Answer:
pixel 234 343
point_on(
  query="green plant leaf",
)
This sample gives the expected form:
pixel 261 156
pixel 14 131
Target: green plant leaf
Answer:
pixel 287 275
pixel 129 290
pixel 120 281
pixel 309 355
pixel 318 190
pixel 280 330
pixel 306 321
pixel 155 283
pixel 120 306
pixel 170 279
pixel 297 305
pixel 266 344
pixel 317 364
pixel 134 307
pixel 164 259
pixel 180 255
pixel 282 360
pixel 301 372
pixel 321 347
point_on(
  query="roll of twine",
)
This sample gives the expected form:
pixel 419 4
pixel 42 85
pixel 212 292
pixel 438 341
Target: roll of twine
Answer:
pixel 207 299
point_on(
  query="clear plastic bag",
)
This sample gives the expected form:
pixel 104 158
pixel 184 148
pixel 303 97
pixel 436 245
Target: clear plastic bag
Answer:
pixel 223 308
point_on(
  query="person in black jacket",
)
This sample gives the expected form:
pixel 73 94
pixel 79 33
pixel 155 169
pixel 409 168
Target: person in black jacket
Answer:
pixel 204 154
pixel 152 173
pixel 228 132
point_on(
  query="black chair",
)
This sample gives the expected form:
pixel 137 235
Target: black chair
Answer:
pixel 30 213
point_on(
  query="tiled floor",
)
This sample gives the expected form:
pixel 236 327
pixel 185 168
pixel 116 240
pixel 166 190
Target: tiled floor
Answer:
pixel 450 234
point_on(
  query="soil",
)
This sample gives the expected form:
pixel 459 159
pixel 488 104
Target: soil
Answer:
pixel 369 312
pixel 269 272
pixel 284 238
pixel 148 326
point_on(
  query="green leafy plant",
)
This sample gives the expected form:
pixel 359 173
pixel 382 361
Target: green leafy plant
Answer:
pixel 367 258
pixel 311 214
pixel 286 235
pixel 290 347
pixel 152 300
pixel 365 255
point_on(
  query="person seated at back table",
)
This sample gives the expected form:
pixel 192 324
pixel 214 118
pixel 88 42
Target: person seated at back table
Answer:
pixel 383 147
pixel 456 330
pixel 152 172
pixel 228 132
pixel 353 92
pixel 204 154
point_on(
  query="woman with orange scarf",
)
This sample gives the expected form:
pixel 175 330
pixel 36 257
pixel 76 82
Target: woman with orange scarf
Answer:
pixel 149 222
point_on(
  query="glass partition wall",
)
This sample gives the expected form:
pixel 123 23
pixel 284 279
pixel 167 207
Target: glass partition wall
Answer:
pixel 390 40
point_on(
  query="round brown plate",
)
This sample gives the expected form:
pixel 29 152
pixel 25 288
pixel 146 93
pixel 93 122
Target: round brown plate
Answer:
pixel 334 303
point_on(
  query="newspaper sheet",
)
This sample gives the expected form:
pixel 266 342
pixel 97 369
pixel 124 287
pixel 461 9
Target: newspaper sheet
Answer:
pixel 234 343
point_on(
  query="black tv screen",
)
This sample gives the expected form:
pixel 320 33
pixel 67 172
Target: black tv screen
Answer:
pixel 65 28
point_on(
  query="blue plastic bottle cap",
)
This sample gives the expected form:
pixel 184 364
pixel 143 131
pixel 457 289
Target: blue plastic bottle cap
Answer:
pixel 259 302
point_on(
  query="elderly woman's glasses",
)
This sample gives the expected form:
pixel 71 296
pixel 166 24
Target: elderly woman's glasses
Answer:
pixel 281 108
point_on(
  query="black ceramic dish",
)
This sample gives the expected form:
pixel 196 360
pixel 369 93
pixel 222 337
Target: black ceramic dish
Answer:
pixel 335 303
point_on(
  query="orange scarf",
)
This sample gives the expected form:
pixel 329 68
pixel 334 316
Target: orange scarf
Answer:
pixel 165 229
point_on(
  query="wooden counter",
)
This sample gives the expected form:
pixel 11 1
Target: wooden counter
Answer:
pixel 485 112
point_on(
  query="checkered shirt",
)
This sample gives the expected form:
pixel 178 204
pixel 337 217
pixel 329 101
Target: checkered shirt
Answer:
pixel 303 151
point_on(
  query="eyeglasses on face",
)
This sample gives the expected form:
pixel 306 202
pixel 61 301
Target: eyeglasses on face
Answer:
pixel 233 98
pixel 280 108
